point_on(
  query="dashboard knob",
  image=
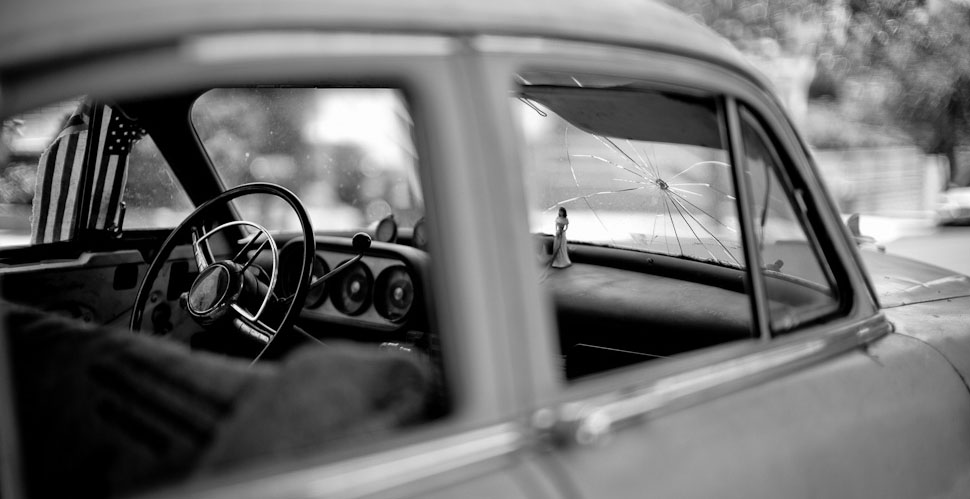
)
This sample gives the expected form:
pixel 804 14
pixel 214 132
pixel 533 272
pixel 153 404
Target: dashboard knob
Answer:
pixel 361 242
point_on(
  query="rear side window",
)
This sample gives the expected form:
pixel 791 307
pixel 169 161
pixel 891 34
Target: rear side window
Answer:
pixel 45 157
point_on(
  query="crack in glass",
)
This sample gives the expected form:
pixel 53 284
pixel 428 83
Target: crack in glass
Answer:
pixel 658 197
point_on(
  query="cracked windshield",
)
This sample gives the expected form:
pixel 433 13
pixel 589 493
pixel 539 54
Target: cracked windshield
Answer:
pixel 661 185
pixel 348 153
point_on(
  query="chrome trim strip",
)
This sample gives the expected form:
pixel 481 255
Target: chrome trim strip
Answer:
pixel 375 472
pixel 589 421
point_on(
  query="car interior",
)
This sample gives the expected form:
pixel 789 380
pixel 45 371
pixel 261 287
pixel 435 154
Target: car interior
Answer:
pixel 149 352
pixel 132 370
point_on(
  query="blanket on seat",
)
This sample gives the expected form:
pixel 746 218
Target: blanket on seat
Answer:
pixel 104 412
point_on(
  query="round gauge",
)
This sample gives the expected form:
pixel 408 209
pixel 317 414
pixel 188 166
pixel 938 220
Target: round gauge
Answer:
pixel 386 230
pixel 394 293
pixel 290 260
pixel 420 235
pixel 351 292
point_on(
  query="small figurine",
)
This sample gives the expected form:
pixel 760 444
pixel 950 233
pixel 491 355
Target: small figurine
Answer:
pixel 560 254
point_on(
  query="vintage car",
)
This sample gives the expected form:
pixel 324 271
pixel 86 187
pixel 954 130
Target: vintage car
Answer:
pixel 432 249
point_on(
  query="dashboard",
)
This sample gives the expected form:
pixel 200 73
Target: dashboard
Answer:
pixel 380 292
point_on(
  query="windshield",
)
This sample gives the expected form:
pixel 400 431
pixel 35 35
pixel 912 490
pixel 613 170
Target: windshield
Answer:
pixel 348 153
pixel 634 167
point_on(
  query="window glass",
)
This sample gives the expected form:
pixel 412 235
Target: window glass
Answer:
pixel 153 197
pixel 632 204
pixel 348 153
pixel 635 169
pixel 23 139
pixel 799 287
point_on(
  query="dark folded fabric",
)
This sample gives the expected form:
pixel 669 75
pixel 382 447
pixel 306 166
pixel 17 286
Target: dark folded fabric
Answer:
pixel 103 411
pixel 321 395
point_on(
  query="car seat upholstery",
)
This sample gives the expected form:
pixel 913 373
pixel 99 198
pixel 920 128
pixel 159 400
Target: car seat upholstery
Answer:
pixel 106 411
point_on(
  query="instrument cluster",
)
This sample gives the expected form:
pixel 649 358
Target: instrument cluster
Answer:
pixel 378 291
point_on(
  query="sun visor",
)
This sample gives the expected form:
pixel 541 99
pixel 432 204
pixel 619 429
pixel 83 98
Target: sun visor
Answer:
pixel 633 113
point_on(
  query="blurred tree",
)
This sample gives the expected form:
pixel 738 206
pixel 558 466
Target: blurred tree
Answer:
pixel 922 49
pixel 901 64
pixel 791 41
pixel 797 26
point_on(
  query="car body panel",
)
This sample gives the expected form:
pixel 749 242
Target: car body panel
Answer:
pixel 806 434
pixel 941 324
pixel 901 281
pixel 49 29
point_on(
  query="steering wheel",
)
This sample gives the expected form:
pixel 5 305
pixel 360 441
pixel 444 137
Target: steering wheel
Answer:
pixel 228 291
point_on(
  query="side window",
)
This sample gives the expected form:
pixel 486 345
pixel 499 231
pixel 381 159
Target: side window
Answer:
pixel 44 154
pixel 633 209
pixel 800 287
pixel 23 139
pixel 153 196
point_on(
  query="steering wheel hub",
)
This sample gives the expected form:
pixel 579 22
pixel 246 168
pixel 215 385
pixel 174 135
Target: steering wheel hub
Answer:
pixel 213 291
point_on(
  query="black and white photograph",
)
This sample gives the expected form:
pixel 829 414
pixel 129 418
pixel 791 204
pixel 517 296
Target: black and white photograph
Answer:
pixel 533 249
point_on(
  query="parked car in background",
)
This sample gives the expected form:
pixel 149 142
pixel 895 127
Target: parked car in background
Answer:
pixel 305 250
pixel 953 206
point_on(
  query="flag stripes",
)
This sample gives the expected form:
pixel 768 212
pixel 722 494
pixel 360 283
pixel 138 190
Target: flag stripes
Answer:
pixel 57 194
pixel 100 173
pixel 72 194
pixel 42 194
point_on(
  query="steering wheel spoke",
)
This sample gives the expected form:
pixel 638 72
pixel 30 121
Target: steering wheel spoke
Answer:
pixel 201 250
pixel 248 243
pixel 255 329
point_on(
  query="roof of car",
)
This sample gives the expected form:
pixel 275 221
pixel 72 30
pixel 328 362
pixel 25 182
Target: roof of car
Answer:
pixel 33 31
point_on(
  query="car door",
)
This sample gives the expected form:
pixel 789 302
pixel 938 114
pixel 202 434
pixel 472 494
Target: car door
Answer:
pixel 94 195
pixel 821 400
pixel 479 447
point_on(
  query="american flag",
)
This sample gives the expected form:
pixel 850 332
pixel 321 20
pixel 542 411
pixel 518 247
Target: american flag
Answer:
pixel 62 166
